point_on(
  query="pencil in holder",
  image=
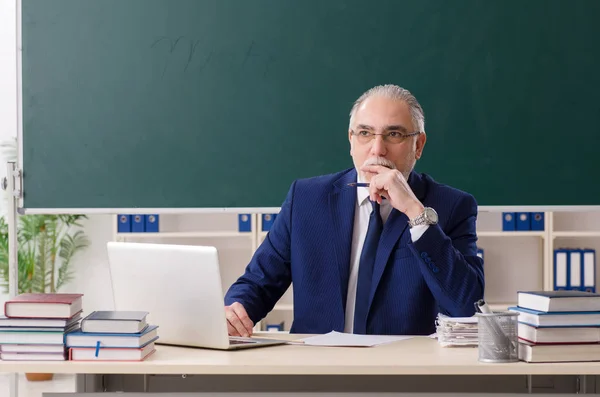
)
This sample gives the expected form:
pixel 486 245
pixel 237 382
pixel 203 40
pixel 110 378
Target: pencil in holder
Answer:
pixel 497 335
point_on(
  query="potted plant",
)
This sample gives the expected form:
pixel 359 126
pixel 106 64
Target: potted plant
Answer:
pixel 46 247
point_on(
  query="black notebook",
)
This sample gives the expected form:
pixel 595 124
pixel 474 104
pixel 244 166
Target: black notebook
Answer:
pixel 114 321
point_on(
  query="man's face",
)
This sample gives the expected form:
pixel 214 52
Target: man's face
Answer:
pixel 379 115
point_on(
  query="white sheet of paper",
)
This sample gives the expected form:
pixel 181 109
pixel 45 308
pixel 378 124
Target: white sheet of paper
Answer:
pixel 334 338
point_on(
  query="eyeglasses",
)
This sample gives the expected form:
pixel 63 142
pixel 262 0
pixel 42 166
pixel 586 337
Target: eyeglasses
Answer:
pixel 394 137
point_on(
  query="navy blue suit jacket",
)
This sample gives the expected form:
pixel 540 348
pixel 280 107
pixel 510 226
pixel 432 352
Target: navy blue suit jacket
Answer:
pixel 309 244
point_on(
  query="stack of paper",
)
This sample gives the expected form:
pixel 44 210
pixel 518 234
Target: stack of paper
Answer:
pixel 456 331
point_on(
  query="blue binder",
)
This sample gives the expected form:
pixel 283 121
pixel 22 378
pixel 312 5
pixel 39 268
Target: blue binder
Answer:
pixel 537 221
pixel 244 223
pixel 523 221
pixel 561 269
pixel 267 221
pixel 589 269
pixel 123 223
pixel 137 223
pixel 509 223
pixel 575 278
pixel 151 223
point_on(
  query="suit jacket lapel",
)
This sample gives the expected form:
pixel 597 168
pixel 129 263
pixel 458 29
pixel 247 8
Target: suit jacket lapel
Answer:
pixel 342 204
pixel 394 228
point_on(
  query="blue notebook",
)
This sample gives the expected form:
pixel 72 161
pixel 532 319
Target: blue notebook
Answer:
pixel 540 319
pixel 89 339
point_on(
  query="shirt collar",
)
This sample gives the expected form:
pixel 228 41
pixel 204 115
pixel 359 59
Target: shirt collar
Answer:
pixel 362 194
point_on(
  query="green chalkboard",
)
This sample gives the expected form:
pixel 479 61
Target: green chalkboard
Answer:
pixel 223 103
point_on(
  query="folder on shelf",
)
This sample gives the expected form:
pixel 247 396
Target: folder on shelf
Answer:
pixel 561 259
pixel 123 223
pixel 589 270
pixel 537 221
pixel 151 223
pixel 574 279
pixel 267 221
pixel 523 221
pixel 137 223
pixel 508 222
pixel 244 223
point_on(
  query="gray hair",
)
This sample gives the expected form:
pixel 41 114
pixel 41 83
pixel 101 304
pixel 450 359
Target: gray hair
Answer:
pixel 392 91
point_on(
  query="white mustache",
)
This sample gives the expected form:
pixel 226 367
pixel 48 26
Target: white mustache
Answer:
pixel 380 161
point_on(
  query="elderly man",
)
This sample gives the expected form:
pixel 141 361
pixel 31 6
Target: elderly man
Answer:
pixel 375 249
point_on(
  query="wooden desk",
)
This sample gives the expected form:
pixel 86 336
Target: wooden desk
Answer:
pixel 417 356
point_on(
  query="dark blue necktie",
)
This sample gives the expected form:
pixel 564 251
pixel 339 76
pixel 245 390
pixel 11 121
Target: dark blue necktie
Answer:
pixel 365 270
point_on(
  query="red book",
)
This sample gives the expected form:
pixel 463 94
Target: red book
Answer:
pixel 49 305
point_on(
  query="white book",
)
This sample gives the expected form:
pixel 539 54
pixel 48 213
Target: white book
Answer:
pixel 84 339
pixel 556 319
pixel 110 354
pixel 558 353
pixel 559 301
pixel 558 334
pixel 39 322
pixel 32 348
pixel 23 338
pixel 12 356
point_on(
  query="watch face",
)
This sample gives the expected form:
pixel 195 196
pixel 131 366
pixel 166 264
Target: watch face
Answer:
pixel 431 215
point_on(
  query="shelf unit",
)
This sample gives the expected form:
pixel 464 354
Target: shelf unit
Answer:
pixel 503 279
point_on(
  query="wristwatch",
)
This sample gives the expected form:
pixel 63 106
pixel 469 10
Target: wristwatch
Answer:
pixel 427 217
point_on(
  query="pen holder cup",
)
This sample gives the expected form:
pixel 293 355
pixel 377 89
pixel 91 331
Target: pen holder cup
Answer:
pixel 497 335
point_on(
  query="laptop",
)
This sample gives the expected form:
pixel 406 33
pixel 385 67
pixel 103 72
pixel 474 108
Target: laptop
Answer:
pixel 180 287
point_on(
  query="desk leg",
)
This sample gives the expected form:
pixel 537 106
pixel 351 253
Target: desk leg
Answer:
pixel 581 384
pixel 89 383
pixel 145 383
pixel 529 384
pixel 13 384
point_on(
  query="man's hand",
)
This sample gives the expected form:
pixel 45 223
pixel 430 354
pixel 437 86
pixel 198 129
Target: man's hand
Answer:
pixel 392 185
pixel 238 322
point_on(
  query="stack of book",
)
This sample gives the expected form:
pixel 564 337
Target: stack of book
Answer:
pixel 456 331
pixel 34 326
pixel 558 326
pixel 113 336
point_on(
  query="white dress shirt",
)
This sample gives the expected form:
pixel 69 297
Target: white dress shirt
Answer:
pixel 361 223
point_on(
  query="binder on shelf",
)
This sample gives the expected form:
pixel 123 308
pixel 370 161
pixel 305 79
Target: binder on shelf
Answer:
pixel 537 221
pixel 523 221
pixel 137 223
pixel 123 223
pixel 575 265
pixel 267 221
pixel 561 265
pixel 589 270
pixel 244 223
pixel 275 327
pixel 151 223
pixel 508 222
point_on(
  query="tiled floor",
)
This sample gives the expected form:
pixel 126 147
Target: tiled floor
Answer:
pixel 60 383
